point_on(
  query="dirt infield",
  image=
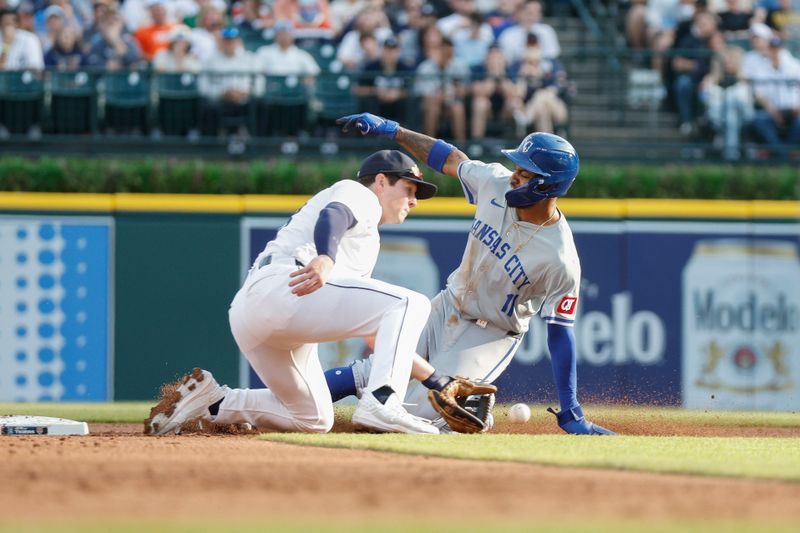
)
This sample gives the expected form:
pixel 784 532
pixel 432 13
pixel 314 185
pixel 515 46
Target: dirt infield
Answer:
pixel 118 473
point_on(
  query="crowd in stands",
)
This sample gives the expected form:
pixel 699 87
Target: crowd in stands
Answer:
pixel 726 66
pixel 461 69
pixel 458 66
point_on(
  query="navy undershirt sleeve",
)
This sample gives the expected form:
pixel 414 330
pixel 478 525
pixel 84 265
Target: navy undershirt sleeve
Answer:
pixel 334 220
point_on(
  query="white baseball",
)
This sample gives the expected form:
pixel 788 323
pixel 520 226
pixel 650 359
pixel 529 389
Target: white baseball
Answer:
pixel 519 413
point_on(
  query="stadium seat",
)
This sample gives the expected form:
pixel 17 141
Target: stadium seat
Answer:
pixel 286 99
pixel 333 97
pixel 178 103
pixel 127 101
pixel 324 53
pixel 73 108
pixel 21 100
pixel 253 40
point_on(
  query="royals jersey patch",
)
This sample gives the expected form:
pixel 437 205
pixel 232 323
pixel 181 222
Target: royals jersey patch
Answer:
pixel 567 306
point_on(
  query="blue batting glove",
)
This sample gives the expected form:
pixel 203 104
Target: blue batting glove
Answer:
pixel 369 124
pixel 574 423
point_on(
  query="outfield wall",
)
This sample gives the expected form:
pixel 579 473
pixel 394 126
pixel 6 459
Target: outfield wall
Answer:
pixel 108 296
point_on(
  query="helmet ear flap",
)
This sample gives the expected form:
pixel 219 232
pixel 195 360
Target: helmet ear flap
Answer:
pixel 544 187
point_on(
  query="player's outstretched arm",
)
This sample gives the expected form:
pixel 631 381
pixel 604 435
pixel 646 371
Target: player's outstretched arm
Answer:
pixel 423 147
pixel 437 154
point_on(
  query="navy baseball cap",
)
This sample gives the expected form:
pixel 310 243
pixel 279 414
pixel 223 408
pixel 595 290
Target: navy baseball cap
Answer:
pixel 397 163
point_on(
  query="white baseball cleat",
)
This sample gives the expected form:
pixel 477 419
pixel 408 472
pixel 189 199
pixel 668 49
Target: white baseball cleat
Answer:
pixel 189 402
pixel 390 417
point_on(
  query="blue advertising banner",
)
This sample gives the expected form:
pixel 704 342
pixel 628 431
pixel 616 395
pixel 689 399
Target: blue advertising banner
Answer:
pixel 55 302
pixel 689 313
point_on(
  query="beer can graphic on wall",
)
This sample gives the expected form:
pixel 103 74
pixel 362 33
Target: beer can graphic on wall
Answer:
pixel 741 329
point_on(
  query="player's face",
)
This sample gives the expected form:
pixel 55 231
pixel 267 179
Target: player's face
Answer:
pixel 397 200
pixel 520 177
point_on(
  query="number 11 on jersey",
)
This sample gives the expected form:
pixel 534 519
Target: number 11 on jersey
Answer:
pixel 510 304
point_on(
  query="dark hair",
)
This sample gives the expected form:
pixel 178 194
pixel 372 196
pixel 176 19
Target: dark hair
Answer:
pixel 366 181
pixel 447 41
pixel 172 42
pixel 367 35
pixel 8 11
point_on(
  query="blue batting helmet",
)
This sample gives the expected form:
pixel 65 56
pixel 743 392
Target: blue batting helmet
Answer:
pixel 551 158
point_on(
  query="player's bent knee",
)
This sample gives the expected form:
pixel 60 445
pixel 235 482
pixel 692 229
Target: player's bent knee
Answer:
pixel 320 425
pixel 319 422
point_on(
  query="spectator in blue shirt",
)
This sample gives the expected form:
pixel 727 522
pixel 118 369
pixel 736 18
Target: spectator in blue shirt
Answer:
pixel 383 85
pixel 67 51
pixel 691 63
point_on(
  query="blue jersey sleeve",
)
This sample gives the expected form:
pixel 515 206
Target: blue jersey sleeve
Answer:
pixel 561 342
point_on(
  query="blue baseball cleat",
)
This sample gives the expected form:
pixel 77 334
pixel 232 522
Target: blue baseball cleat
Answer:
pixel 573 422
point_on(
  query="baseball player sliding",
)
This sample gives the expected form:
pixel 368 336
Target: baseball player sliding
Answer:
pixel 312 284
pixel 520 260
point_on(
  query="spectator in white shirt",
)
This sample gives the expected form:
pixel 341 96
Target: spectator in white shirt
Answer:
pixel 179 57
pixel 776 87
pixel 529 17
pixel 228 84
pixel 758 55
pixel 19 49
pixel 459 21
pixel 472 42
pixel 443 82
pixel 343 12
pixel 284 58
pixel 728 98
pixel 26 16
pixel 205 37
pixel 135 13
pixel 370 21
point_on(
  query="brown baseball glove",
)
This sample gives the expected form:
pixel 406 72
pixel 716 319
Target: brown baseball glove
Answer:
pixel 450 403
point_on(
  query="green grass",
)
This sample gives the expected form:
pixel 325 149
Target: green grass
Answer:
pixel 762 458
pixel 392 525
pixel 677 415
pixel 114 413
pixel 121 412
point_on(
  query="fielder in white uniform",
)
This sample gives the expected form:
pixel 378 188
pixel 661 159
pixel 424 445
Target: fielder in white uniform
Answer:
pixel 312 284
pixel 520 260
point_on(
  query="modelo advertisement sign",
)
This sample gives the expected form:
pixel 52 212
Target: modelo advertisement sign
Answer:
pixel 703 315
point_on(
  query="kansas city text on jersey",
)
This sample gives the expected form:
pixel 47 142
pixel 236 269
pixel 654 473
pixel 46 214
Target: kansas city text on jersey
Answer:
pixel 493 240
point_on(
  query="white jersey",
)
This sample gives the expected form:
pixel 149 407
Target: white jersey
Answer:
pixel 278 330
pixel 512 270
pixel 358 249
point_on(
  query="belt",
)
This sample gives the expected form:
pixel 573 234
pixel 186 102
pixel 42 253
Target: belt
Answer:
pixel 270 258
pixel 481 323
